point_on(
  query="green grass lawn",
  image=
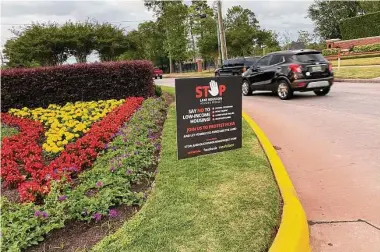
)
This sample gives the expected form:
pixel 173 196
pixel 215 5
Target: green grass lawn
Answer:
pixel 220 202
pixel 190 74
pixel 358 61
pixel 344 73
pixel 7 131
pixel 169 90
pixel 357 72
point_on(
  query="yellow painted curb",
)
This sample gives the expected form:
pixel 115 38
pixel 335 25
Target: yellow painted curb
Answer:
pixel 293 234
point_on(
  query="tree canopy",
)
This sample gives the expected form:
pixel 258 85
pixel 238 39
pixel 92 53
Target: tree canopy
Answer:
pixel 327 14
pixel 172 17
pixel 181 32
pixel 49 44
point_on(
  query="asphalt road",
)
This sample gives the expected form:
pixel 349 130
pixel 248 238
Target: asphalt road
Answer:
pixel 331 148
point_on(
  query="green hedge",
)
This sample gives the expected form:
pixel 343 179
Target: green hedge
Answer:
pixel 367 48
pixel 361 26
pixel 332 51
pixel 39 87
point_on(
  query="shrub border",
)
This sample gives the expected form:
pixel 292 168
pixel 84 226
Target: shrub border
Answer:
pixel 352 28
pixel 293 233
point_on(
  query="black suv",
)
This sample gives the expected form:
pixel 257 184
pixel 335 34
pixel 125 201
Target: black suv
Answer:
pixel 288 71
pixel 236 66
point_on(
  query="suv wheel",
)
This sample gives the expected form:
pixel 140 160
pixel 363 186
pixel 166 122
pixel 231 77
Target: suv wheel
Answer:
pixel 322 92
pixel 284 91
pixel 246 88
pixel 160 76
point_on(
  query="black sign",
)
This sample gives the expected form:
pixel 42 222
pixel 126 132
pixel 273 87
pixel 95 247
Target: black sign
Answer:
pixel 208 115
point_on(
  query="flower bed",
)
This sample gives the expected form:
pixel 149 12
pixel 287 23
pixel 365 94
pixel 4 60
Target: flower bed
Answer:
pixel 67 123
pixel 33 177
pixel 20 150
pixel 125 162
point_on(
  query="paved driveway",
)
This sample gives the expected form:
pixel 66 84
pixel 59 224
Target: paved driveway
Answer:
pixel 331 148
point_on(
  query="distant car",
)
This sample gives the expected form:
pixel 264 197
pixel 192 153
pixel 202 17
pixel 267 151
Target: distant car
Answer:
pixel 288 71
pixel 157 73
pixel 236 66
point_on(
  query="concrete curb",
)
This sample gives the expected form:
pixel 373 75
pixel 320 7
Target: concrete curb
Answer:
pixel 293 233
pixel 358 80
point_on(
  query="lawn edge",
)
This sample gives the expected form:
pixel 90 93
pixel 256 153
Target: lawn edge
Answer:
pixel 293 233
pixel 357 80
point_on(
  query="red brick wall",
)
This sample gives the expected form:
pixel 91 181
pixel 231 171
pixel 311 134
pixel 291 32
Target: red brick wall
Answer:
pixel 347 44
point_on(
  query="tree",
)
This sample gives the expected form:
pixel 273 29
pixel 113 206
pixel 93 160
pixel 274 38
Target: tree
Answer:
pixel 36 44
pixel 267 39
pixel 199 17
pixel 146 43
pixel 327 14
pixel 208 43
pixel 241 28
pixel 311 41
pixel 153 36
pixel 171 16
pixel 304 37
pixel 50 44
pixel 204 29
pixel 135 47
pixel 286 40
pixel 80 39
pixel 110 41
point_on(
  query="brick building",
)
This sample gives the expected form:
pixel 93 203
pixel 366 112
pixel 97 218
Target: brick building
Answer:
pixel 347 44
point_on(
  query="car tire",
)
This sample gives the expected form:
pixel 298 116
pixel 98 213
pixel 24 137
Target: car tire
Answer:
pixel 284 91
pixel 155 77
pixel 322 92
pixel 246 88
pixel 160 76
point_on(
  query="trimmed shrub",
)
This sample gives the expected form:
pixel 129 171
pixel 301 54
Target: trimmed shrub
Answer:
pixel 367 48
pixel 361 26
pixel 39 87
pixel 332 51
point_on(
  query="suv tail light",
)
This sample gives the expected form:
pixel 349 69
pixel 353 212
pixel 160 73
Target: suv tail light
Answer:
pixel 330 67
pixel 295 68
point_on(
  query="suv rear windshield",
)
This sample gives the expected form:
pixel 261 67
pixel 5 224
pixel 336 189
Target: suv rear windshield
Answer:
pixel 250 61
pixel 309 57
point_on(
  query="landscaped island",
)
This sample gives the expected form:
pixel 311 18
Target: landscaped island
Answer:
pixel 86 171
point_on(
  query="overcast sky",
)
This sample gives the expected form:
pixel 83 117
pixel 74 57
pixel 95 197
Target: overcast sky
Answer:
pixel 274 15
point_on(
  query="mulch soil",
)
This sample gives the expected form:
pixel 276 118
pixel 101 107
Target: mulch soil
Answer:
pixel 81 236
